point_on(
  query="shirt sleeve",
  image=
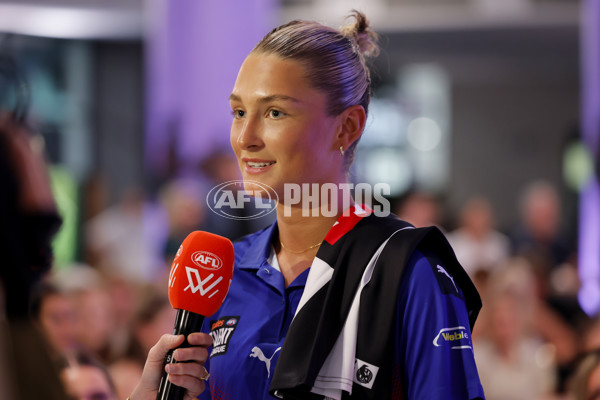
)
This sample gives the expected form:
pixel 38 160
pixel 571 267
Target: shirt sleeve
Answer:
pixel 434 349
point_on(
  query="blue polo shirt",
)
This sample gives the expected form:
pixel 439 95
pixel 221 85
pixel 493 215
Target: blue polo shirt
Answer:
pixel 433 354
pixel 434 351
pixel 249 328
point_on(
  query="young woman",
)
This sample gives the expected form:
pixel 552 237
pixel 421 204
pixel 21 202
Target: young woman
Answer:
pixel 328 304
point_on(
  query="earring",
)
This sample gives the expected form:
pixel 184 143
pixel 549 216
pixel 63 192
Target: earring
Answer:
pixel 342 151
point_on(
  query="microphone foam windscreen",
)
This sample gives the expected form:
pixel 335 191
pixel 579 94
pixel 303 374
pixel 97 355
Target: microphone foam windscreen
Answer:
pixel 201 273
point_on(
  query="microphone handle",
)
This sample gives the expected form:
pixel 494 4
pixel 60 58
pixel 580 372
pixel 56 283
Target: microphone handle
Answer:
pixel 186 322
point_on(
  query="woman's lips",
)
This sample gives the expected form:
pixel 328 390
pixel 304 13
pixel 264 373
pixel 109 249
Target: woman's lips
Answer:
pixel 255 166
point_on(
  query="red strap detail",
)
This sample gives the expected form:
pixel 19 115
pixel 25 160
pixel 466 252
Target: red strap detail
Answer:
pixel 346 222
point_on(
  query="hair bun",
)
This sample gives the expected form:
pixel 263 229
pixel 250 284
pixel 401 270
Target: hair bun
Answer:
pixel 361 33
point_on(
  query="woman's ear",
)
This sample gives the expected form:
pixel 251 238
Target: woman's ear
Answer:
pixel 351 124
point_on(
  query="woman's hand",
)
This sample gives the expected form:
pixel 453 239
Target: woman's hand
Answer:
pixel 190 375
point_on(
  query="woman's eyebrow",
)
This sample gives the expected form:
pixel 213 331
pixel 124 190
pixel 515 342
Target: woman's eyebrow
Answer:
pixel 267 99
pixel 278 97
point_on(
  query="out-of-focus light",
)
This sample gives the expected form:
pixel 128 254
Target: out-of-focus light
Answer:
pixel 424 134
pixel 589 298
pixel 517 8
pixel 70 23
pixel 578 166
pixel 385 125
pixel 589 250
pixel 386 165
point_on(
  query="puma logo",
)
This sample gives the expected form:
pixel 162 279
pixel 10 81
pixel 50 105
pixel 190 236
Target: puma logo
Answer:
pixel 257 353
pixel 443 271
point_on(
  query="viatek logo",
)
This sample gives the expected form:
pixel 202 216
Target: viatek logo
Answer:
pixel 454 336
pixel 457 336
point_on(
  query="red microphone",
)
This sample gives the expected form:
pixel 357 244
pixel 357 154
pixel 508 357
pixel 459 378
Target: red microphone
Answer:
pixel 199 280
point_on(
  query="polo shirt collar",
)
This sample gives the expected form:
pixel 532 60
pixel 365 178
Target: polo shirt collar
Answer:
pixel 260 248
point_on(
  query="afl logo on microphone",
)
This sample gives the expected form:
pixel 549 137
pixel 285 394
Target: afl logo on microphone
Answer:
pixel 207 260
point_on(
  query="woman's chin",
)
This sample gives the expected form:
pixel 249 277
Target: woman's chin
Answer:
pixel 259 188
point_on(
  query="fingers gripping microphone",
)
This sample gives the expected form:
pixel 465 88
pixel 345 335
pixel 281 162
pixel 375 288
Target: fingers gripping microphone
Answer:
pixel 198 283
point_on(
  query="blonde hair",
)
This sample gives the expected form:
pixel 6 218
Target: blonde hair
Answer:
pixel 335 60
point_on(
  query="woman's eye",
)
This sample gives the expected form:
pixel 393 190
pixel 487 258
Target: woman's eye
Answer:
pixel 238 113
pixel 275 114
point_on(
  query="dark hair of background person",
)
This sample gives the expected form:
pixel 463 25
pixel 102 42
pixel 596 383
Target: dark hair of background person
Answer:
pixel 25 235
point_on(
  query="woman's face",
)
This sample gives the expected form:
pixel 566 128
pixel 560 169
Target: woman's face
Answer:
pixel 59 322
pixel 281 131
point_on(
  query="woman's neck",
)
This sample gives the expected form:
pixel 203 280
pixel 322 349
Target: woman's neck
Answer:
pixel 301 230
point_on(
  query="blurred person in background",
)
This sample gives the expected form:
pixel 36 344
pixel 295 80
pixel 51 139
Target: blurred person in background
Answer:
pixel 183 201
pixel 54 311
pixel 29 221
pixel 86 378
pixel 512 364
pixel 220 167
pixel 521 342
pixel 96 320
pixel 28 213
pixel 125 297
pixel 115 241
pixel 539 238
pixel 539 230
pixel 478 246
pixel 94 309
pixel 419 208
pixel 153 318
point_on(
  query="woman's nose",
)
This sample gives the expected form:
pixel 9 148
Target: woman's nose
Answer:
pixel 249 135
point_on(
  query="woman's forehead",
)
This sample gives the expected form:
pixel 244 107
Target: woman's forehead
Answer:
pixel 268 76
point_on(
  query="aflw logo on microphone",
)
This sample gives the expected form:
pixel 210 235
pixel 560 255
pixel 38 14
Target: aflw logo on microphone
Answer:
pixel 172 276
pixel 207 260
pixel 196 283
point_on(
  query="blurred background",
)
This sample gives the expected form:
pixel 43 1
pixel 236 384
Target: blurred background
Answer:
pixel 485 122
